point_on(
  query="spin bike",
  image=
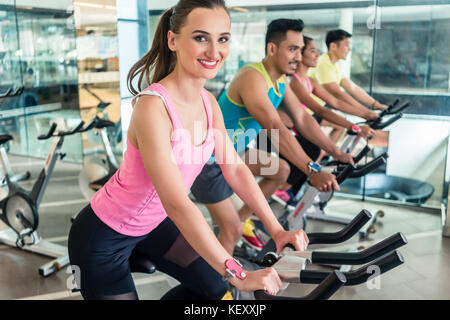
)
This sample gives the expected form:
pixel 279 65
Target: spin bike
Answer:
pixel 20 207
pixel 394 110
pixel 94 175
pixel 291 265
pixel 4 149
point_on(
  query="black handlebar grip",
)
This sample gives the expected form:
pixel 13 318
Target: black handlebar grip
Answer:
pixel 102 123
pixel 354 258
pixel 78 128
pixel 49 133
pixel 6 94
pixel 361 154
pixel 382 125
pixel 361 275
pixel 332 283
pixel 346 233
pixel 399 108
pixel 369 167
pixel 344 173
pixel 18 92
pixel 90 125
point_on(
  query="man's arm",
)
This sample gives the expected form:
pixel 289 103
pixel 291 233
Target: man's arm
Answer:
pixel 357 92
pixel 341 105
pixel 303 95
pixel 252 90
pixel 309 127
pixel 335 90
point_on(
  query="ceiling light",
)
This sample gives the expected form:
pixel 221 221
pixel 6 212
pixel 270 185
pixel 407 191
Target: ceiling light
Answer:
pixel 240 9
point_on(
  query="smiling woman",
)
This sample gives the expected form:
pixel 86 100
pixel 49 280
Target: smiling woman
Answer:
pixel 143 210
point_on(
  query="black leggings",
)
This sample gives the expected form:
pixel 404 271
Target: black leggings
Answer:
pixel 101 257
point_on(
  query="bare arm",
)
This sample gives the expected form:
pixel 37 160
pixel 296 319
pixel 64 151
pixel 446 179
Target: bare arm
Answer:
pixel 308 126
pixel 360 94
pixel 341 105
pixel 152 128
pixel 261 109
pixel 303 95
pixel 336 91
pixel 239 176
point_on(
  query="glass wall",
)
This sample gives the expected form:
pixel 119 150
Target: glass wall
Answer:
pixel 399 51
pixel 98 73
pixel 38 52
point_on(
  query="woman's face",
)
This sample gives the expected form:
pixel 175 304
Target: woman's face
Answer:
pixel 310 55
pixel 202 44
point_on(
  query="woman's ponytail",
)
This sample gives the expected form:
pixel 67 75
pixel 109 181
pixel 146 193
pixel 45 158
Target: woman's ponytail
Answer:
pixel 159 59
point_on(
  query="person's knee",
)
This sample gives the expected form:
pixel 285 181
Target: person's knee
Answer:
pixel 216 290
pixel 232 230
pixel 205 281
pixel 283 171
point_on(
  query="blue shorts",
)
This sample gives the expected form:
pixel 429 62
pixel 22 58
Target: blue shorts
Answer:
pixel 210 186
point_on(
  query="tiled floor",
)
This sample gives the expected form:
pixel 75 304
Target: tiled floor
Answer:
pixel 425 273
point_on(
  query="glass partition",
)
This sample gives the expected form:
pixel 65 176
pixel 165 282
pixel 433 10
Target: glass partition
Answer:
pixel 98 74
pixel 399 51
pixel 38 50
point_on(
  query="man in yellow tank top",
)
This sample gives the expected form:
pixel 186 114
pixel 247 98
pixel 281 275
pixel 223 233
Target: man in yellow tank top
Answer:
pixel 330 75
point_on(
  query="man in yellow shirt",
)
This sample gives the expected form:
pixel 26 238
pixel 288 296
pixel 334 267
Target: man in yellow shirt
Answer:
pixel 330 75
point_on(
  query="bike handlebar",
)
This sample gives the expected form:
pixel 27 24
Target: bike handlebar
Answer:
pixel 361 275
pixel 327 287
pixel 51 131
pixel 354 258
pixel 356 158
pixel 344 234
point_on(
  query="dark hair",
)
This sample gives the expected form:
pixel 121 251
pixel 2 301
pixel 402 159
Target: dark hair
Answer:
pixel 159 58
pixel 277 29
pixel 336 36
pixel 307 40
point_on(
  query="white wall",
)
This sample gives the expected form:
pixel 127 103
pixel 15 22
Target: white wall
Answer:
pixel 416 147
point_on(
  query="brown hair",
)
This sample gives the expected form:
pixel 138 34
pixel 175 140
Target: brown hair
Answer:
pixel 159 58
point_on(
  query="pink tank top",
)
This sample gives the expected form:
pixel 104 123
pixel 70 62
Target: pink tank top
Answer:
pixel 128 203
pixel 308 82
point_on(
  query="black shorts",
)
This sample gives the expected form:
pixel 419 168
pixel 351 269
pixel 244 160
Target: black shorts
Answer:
pixel 296 177
pixel 210 185
pixel 101 255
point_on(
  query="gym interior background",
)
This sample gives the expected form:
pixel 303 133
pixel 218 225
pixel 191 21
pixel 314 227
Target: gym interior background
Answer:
pixel 71 56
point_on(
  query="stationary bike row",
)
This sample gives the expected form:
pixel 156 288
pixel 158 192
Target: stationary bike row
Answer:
pixel 20 176
pixel 20 206
pixel 311 203
pixel 291 265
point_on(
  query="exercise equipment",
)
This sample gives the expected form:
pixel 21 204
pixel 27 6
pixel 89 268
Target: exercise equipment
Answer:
pixel 20 207
pixel 291 265
pixel 95 174
pixel 395 111
pixel 312 203
pixel 4 147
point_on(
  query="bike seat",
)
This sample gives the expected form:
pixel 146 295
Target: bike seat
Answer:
pixel 141 263
pixel 102 123
pixel 5 138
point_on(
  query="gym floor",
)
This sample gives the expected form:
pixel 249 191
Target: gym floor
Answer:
pixel 425 273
